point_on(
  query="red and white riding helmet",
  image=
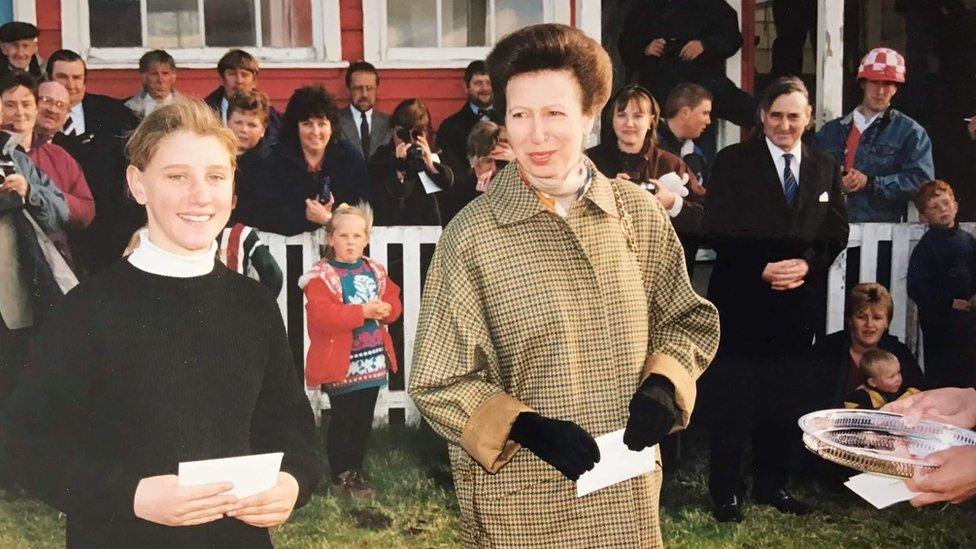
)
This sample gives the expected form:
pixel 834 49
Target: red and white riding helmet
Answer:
pixel 882 64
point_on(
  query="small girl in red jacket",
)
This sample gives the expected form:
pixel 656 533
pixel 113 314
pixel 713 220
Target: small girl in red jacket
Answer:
pixel 350 302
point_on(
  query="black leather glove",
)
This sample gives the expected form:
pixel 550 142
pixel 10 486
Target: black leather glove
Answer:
pixel 652 413
pixel 562 444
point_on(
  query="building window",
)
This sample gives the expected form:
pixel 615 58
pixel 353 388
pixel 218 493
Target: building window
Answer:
pixel 446 32
pixel 202 30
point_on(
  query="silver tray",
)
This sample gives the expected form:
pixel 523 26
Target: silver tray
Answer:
pixel 878 442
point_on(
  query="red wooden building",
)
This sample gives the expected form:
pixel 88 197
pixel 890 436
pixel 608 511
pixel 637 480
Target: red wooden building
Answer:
pixel 420 46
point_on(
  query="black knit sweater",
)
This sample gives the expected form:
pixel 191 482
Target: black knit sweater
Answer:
pixel 133 373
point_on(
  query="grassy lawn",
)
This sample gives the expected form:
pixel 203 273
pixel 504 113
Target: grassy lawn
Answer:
pixel 416 508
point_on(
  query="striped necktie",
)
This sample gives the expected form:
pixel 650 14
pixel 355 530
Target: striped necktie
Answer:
pixel 790 187
pixel 69 126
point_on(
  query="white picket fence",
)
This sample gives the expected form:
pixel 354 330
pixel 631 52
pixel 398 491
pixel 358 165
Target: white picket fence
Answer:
pixel 866 236
pixel 411 238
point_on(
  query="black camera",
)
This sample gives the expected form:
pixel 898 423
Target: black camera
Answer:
pixel 414 161
pixel 670 48
pixel 325 190
pixel 9 200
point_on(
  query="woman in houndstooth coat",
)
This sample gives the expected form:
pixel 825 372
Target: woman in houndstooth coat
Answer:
pixel 557 308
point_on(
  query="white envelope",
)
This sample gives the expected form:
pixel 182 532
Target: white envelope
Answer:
pixel 824 197
pixel 880 491
pixel 617 464
pixel 429 186
pixel 249 474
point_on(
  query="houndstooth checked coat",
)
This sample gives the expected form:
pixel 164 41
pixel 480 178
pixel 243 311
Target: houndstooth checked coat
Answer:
pixel 524 310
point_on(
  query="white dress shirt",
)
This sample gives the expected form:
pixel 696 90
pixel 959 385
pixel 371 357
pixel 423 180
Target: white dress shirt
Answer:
pixel 224 105
pixel 77 114
pixel 357 117
pixel 777 154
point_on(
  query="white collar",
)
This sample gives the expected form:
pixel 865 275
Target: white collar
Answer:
pixel 863 122
pixel 150 104
pixel 77 114
pixel 358 114
pixel 152 259
pixel 777 153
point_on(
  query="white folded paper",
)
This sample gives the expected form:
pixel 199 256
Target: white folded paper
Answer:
pixel 880 491
pixel 429 186
pixel 249 474
pixel 617 464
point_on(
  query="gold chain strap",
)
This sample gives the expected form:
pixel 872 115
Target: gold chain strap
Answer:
pixel 627 223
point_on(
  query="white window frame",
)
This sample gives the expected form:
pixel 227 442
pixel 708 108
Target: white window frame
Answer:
pixel 381 55
pixel 25 10
pixel 325 52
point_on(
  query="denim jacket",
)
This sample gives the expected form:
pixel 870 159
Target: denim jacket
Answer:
pixel 895 153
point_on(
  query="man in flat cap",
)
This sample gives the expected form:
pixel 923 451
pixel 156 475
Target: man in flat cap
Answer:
pixel 18 43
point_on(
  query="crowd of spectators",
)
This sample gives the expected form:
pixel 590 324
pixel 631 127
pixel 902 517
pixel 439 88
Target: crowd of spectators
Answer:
pixel 775 208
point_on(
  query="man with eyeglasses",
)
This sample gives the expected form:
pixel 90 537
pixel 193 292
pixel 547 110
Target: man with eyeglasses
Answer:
pixel 20 98
pixel 362 125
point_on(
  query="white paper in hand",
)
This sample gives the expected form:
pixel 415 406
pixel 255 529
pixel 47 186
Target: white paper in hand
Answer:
pixel 429 186
pixel 249 474
pixel 617 464
pixel 880 491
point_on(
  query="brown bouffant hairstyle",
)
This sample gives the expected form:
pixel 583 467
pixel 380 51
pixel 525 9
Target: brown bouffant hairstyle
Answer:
pixel 871 360
pixel 252 101
pixel 412 114
pixel 483 138
pixel 183 114
pixel 685 95
pixel 930 190
pixel 869 294
pixel 552 47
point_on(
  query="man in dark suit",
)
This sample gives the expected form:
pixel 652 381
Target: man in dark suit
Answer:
pixel 362 125
pixel 775 215
pixel 452 138
pixel 94 133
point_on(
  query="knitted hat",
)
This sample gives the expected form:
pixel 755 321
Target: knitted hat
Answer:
pixel 17 30
pixel 882 64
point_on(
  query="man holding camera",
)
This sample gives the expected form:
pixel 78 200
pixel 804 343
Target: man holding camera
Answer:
pixel 27 286
pixel 673 41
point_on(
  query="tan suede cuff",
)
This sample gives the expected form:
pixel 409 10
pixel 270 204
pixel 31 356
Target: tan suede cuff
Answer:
pixel 685 390
pixel 485 435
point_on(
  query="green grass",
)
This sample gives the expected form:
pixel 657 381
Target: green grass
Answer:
pixel 416 508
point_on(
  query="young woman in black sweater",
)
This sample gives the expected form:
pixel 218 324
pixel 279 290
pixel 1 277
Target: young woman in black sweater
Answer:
pixel 165 357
